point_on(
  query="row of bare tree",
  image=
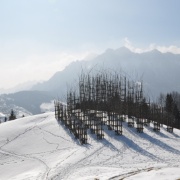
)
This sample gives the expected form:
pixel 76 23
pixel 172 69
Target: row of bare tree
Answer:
pixel 106 98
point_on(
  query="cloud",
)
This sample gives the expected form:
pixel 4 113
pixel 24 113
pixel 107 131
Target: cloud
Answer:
pixel 172 49
pixel 19 66
pixel 47 107
pixel 28 60
pixel 164 49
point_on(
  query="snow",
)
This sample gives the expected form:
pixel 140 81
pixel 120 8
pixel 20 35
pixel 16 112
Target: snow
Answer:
pixel 38 147
pixel 47 107
pixel 2 115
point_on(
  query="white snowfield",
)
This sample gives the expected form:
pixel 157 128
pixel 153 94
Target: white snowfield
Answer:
pixel 38 148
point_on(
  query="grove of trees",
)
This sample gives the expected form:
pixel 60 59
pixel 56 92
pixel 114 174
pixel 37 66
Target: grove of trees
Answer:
pixel 108 99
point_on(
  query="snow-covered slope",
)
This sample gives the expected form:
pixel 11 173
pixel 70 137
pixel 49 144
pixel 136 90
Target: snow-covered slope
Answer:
pixel 37 147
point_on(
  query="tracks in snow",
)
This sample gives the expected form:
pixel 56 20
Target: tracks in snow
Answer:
pixel 42 176
pixel 129 174
pixel 104 153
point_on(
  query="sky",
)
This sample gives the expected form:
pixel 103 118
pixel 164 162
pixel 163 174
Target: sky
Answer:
pixel 41 37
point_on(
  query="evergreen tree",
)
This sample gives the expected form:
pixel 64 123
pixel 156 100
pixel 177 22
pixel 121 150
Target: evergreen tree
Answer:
pixel 176 114
pixel 145 109
pixel 169 104
pixel 12 115
pixel 172 109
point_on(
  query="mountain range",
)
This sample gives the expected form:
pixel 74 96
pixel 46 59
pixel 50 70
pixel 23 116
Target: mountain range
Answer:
pixel 24 102
pixel 158 71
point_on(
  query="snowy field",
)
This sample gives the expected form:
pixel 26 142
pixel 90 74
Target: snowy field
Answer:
pixel 38 148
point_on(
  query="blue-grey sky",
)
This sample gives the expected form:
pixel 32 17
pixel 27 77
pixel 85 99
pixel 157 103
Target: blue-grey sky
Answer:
pixel 40 37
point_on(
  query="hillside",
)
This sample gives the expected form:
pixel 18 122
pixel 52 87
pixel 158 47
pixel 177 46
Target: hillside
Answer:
pixel 37 147
pixel 24 102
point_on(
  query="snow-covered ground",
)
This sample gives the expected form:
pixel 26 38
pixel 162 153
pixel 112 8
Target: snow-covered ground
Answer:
pixel 37 147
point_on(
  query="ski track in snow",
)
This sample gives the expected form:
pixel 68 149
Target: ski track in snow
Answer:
pixel 47 169
pixel 125 175
pixel 58 155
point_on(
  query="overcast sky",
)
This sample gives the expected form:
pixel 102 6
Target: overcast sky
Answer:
pixel 40 37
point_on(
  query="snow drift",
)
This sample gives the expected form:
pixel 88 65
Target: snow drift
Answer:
pixel 37 147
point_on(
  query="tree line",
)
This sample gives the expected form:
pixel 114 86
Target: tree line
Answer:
pixel 171 103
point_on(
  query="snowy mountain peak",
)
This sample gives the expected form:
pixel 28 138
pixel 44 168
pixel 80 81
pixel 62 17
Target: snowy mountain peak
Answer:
pixel 155 52
pixel 124 50
pixel 149 64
